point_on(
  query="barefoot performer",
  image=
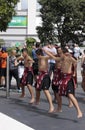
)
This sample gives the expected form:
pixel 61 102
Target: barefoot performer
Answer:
pixel 43 79
pixel 27 78
pixel 55 83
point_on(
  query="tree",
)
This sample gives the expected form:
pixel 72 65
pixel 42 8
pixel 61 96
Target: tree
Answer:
pixel 7 10
pixel 67 18
pixel 46 31
pixel 30 42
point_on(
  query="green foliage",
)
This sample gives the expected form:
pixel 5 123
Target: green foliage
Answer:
pixel 7 10
pixel 2 42
pixel 62 18
pixel 9 49
pixel 30 41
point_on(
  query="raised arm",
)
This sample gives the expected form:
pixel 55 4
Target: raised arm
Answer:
pixel 51 55
pixel 20 58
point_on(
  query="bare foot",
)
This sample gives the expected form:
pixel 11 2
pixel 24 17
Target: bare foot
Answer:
pixel 80 115
pixel 57 110
pixel 22 95
pixel 51 110
pixel 32 101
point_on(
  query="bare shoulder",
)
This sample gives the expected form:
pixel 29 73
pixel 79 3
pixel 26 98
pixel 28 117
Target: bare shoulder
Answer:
pixel 44 57
pixel 47 57
pixel 73 59
pixel 29 58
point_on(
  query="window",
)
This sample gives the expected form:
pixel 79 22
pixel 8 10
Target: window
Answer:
pixel 24 4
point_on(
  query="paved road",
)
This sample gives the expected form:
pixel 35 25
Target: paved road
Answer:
pixel 37 117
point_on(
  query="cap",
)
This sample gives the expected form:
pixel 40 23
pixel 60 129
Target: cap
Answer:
pixel 3 48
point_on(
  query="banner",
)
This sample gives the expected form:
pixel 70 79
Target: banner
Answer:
pixel 18 21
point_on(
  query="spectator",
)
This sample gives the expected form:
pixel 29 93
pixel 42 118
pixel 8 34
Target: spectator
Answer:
pixel 52 61
pixel 13 69
pixel 49 47
pixel 20 70
pixel 34 56
pixel 0 64
pixel 76 51
pixel 3 66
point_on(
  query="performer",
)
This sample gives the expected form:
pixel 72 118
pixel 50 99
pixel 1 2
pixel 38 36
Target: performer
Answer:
pixel 43 80
pixel 27 78
pixel 66 84
pixel 55 83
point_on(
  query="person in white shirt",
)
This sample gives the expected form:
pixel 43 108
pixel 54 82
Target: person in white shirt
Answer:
pixel 76 51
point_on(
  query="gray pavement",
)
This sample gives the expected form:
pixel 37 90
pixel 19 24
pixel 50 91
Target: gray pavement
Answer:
pixel 37 116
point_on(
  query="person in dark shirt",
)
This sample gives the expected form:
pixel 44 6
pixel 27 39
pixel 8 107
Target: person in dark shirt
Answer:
pixel 13 68
pixel 34 56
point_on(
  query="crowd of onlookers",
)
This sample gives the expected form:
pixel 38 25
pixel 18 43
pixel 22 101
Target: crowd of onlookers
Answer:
pixel 16 69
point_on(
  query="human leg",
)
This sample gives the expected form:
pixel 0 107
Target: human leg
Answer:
pixel 54 92
pixel 15 75
pixel 29 86
pixel 23 91
pixel 31 93
pixel 59 102
pixel 75 102
pixel 70 103
pixel 3 75
pixel 49 98
pixel 37 97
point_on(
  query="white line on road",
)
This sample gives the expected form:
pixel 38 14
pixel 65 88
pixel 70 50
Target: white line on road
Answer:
pixel 7 123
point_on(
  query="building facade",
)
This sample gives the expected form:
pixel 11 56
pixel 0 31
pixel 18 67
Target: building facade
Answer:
pixel 24 24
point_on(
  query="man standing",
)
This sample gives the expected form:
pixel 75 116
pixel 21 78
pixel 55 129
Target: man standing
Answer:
pixel 43 79
pixel 27 77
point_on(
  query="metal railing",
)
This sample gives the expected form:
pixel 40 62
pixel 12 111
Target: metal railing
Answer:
pixel 7 79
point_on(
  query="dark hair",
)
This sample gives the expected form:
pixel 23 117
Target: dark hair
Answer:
pixel 37 44
pixel 25 50
pixel 58 47
pixel 84 51
pixel 65 50
pixel 39 52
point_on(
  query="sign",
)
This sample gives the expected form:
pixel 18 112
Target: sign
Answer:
pixel 18 21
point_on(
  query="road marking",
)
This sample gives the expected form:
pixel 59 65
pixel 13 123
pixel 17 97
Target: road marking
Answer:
pixel 7 123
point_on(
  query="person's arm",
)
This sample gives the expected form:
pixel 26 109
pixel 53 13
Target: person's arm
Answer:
pixel 20 58
pixel 51 56
pixel 74 62
pixel 30 59
pixel 82 61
